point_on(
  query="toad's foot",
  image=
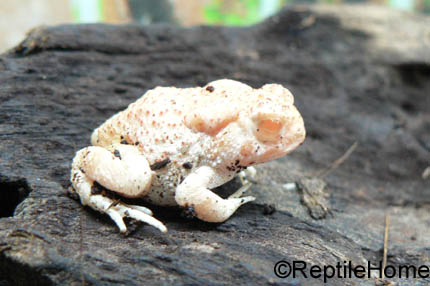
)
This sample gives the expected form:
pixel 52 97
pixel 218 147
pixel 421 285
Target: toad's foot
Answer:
pixel 247 175
pixel 119 211
pixel 115 209
pixel 123 171
pixel 208 206
pixel 241 190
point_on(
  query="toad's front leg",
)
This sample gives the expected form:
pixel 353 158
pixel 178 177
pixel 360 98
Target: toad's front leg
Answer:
pixel 122 170
pixel 208 206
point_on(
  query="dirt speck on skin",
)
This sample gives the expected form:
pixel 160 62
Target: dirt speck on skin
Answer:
pixel 358 74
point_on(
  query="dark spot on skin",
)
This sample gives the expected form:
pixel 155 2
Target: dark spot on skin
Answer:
pixel 268 209
pixel 210 88
pixel 188 212
pixel 74 176
pixel 187 165
pixel 122 137
pixel 124 142
pixel 86 154
pixel 237 162
pixel 82 170
pixel 117 154
pixel 159 165
pixel 137 143
pixel 240 168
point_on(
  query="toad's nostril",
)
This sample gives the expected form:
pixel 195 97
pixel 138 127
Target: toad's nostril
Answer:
pixel 268 130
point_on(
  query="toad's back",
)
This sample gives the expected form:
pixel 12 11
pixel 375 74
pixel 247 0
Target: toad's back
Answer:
pixel 167 122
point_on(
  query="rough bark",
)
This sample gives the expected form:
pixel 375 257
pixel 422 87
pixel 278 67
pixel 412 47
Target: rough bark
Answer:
pixel 359 74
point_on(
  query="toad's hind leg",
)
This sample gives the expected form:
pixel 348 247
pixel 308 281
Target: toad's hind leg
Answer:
pixel 124 171
pixel 208 206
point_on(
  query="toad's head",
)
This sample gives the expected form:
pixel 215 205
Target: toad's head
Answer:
pixel 249 125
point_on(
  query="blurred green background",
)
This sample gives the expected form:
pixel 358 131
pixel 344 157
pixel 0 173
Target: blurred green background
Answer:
pixel 19 16
pixel 247 12
pixel 220 12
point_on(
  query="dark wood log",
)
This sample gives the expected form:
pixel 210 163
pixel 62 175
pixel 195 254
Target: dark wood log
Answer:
pixel 359 74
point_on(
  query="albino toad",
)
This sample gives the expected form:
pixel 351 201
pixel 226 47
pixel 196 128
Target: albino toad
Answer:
pixel 173 145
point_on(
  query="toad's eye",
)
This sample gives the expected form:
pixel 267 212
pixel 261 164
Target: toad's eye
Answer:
pixel 268 130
